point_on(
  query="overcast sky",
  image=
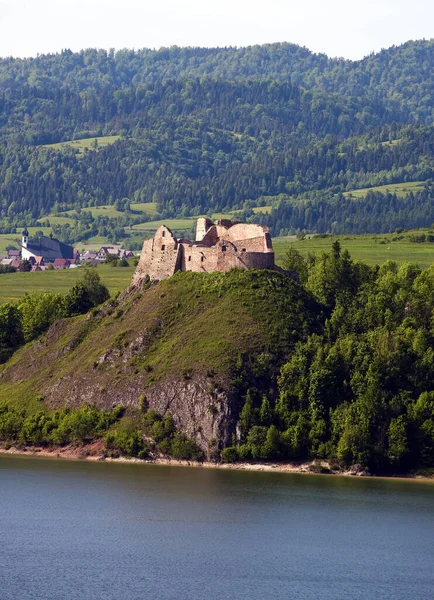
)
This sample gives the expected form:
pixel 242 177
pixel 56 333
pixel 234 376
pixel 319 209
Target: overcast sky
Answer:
pixel 335 27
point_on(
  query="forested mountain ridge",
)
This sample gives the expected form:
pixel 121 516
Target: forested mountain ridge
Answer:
pixel 211 129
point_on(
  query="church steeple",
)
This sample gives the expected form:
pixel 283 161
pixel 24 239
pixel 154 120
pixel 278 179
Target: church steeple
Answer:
pixel 25 239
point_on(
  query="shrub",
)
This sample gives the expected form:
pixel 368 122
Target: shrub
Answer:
pixel 230 454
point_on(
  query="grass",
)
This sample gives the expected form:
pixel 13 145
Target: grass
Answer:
pixel 7 239
pixel 400 189
pixel 85 144
pixel 262 209
pixel 15 285
pixel 58 220
pixel 162 332
pixel 371 249
pixel 105 211
pixel 151 208
pixel 171 223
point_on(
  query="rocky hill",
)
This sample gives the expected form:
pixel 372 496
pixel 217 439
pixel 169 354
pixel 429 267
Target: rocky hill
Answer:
pixel 335 362
pixel 178 346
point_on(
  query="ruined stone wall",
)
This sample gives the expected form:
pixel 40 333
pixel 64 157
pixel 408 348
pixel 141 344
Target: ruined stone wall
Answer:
pixel 202 226
pixel 252 245
pixel 258 260
pixel 223 257
pixel 160 257
pixel 221 249
pixel 243 231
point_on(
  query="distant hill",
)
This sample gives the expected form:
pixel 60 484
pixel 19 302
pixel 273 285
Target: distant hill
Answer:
pixel 213 130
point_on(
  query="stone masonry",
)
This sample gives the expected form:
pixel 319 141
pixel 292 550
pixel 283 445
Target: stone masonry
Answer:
pixel 219 246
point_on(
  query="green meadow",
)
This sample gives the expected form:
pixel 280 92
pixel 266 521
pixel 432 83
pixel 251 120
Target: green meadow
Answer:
pixel 15 285
pixel 150 208
pixel 83 145
pixel 400 189
pixel 372 249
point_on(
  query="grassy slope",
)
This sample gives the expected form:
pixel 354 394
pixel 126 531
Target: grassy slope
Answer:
pixel 400 189
pixel 80 145
pixel 189 324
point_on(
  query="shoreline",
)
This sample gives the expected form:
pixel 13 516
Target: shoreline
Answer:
pixel 93 453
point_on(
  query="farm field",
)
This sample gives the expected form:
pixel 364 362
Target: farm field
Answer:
pixel 151 208
pixel 188 222
pixel 400 189
pixel 85 143
pixel 366 248
pixel 15 285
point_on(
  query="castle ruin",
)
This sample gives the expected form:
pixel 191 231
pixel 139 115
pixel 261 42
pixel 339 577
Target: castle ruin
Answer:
pixel 219 246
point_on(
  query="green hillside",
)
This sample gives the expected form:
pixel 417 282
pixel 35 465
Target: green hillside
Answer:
pixel 333 362
pixel 182 132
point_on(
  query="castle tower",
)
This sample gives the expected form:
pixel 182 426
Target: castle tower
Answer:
pixel 203 224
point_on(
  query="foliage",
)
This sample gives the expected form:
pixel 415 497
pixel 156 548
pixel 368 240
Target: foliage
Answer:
pixel 359 389
pixel 194 130
pixel 38 311
pixel 57 427
pixel 11 330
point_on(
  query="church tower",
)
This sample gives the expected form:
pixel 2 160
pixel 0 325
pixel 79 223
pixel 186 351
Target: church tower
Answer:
pixel 25 238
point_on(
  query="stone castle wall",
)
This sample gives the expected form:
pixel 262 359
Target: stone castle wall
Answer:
pixel 218 247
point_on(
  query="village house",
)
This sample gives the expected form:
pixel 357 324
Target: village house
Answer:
pixel 64 263
pixel 219 246
pixel 112 251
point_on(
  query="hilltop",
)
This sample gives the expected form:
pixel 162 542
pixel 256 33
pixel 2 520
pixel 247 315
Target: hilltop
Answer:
pixel 180 344
pixel 334 362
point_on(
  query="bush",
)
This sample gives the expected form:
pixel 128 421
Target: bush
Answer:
pixel 230 454
pixel 185 449
pixel 126 441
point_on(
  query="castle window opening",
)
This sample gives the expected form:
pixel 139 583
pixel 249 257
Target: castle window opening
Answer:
pixel 224 248
pixel 163 247
pixel 189 258
pixel 202 258
pixel 243 249
pixel 163 233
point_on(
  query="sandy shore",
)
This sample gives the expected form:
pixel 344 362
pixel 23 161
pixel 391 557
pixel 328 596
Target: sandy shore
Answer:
pixel 95 452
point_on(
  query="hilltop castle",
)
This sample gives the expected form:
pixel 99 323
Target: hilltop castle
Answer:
pixel 219 246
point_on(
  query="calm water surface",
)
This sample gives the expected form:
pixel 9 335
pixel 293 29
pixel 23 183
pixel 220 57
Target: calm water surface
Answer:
pixel 76 530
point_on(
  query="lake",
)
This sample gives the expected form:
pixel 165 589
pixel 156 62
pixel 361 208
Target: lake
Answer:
pixel 104 531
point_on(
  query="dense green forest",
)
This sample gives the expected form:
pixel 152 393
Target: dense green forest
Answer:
pixel 212 130
pixel 358 387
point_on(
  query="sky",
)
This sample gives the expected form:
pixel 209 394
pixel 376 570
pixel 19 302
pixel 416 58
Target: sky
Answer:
pixel 334 27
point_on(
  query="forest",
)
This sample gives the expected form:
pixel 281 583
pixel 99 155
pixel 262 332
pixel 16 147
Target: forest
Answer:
pixel 217 130
pixel 357 388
